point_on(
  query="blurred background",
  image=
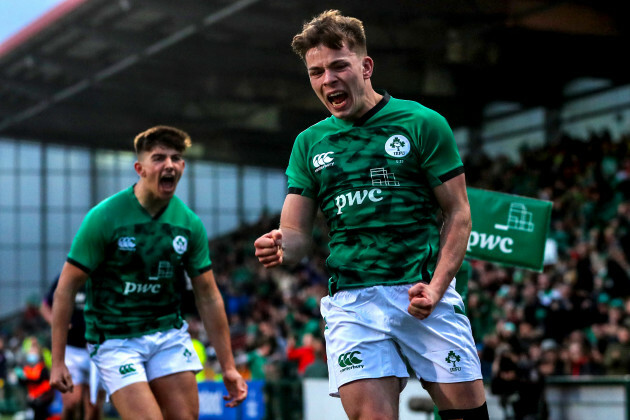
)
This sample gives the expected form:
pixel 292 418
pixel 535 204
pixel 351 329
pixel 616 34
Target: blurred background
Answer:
pixel 538 96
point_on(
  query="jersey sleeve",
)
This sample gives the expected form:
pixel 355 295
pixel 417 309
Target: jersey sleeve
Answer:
pixel 440 159
pixel 88 247
pixel 299 179
pixel 198 261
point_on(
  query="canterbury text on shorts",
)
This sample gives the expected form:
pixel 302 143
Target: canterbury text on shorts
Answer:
pixel 370 334
pixel 124 361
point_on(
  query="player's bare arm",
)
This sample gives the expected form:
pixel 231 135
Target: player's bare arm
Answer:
pixel 290 243
pixel 212 312
pixel 457 224
pixel 70 281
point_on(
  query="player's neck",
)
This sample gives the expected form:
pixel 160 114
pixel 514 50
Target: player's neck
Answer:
pixel 149 201
pixel 372 98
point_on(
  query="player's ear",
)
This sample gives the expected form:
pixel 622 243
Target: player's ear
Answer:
pixel 368 67
pixel 139 169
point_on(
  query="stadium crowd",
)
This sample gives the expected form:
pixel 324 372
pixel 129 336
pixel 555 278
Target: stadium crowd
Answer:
pixel 573 318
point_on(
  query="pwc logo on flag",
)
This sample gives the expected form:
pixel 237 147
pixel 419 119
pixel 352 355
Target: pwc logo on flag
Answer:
pixel 508 229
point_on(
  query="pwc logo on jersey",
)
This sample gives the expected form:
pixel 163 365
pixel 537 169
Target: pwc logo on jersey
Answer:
pixel 141 288
pixel 127 243
pixel 357 198
pixel 323 160
pixel 397 146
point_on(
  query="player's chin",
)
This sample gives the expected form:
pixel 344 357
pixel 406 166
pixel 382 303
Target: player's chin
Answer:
pixel 166 194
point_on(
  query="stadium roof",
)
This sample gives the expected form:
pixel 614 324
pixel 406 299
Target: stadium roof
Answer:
pixel 98 71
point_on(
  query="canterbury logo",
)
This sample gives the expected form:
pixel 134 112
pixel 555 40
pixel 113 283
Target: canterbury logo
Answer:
pixel 127 243
pixel 322 160
pixel 126 369
pixel 349 359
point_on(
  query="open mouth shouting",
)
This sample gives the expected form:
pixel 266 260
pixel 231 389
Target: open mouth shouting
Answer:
pixel 337 99
pixel 167 182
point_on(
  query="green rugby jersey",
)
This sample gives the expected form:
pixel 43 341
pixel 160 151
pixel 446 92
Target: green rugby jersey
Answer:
pixel 373 180
pixel 135 263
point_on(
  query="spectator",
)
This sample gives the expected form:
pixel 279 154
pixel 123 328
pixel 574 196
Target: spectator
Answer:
pixel 550 363
pixel 34 375
pixel 533 311
pixel 616 315
pixel 580 360
pixel 617 356
pixel 478 310
pixel 319 368
pixel 258 359
pixel 600 315
pixel 518 386
pixel 304 355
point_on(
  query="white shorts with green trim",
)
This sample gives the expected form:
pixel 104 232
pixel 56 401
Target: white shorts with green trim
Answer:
pixel 124 361
pixel 370 334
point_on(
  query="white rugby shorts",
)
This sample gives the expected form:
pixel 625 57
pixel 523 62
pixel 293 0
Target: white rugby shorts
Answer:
pixel 370 334
pixel 78 362
pixel 124 361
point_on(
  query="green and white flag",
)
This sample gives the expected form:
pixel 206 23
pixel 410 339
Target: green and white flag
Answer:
pixel 508 229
